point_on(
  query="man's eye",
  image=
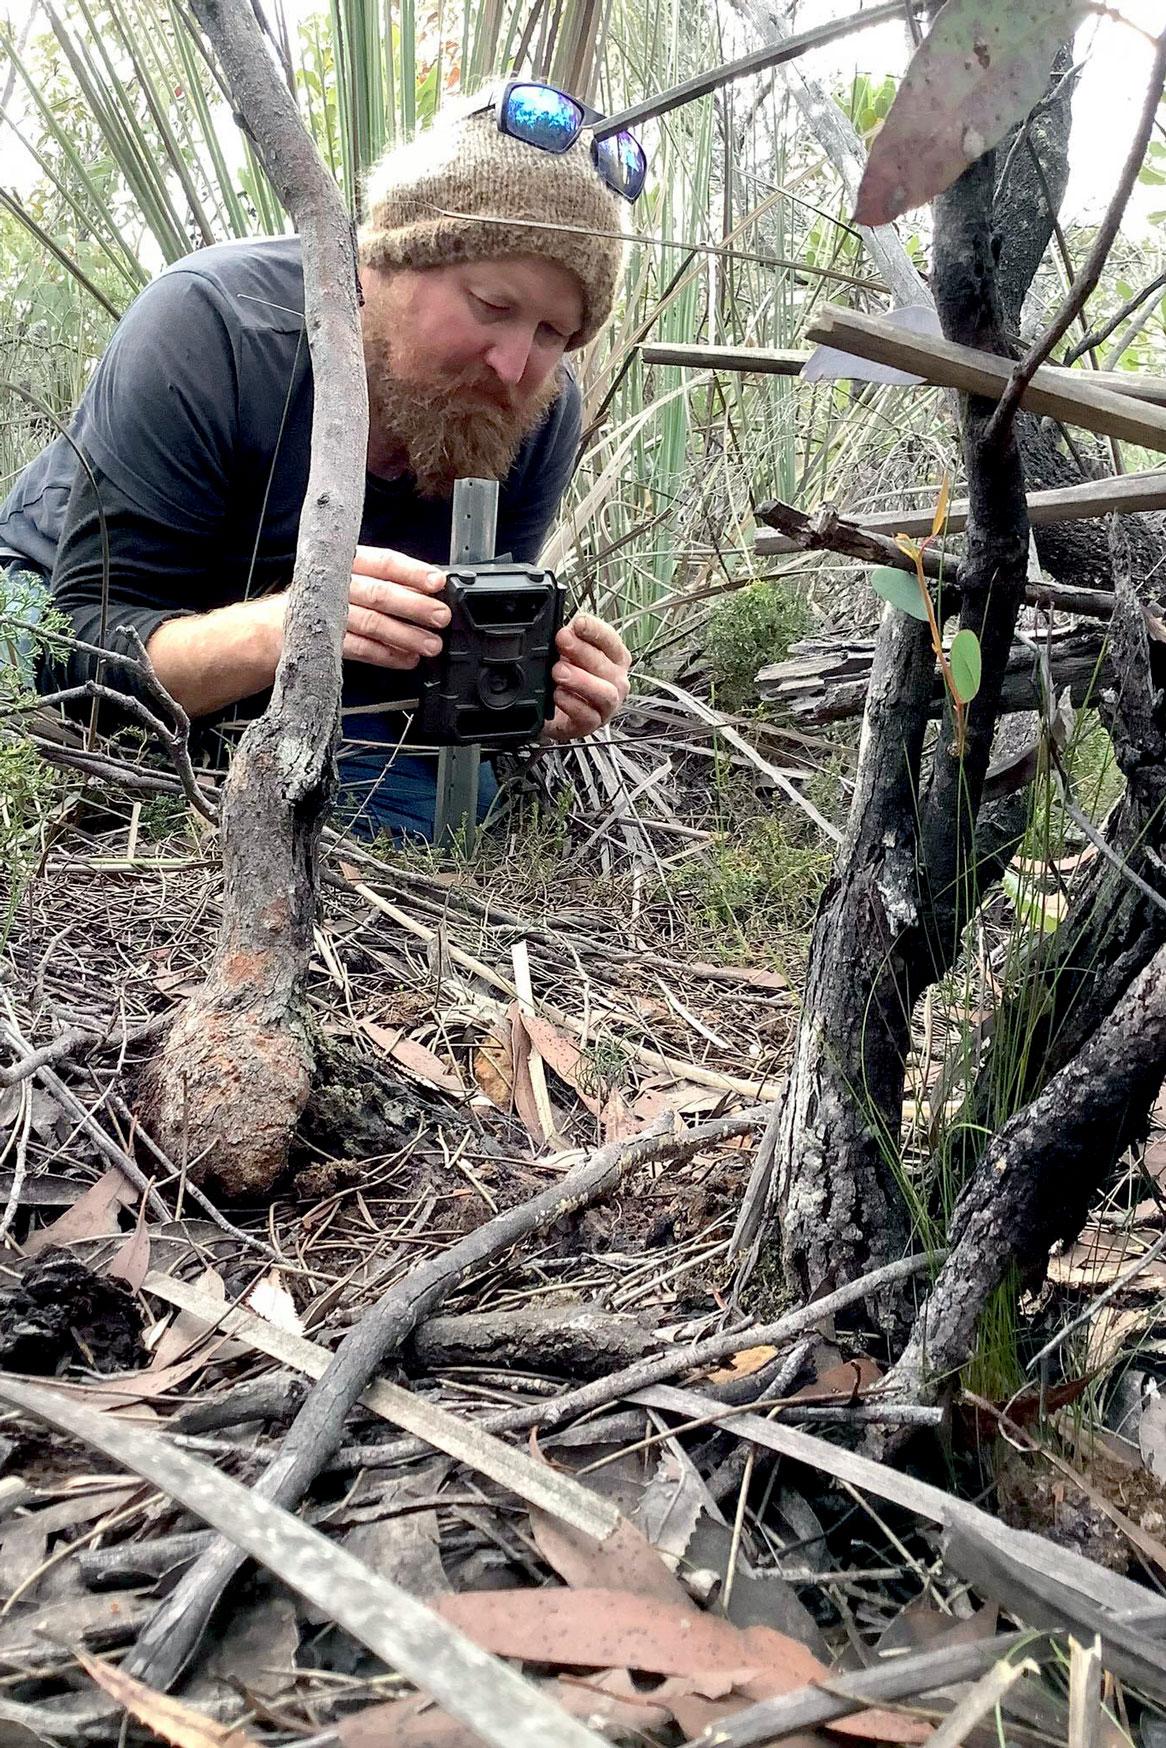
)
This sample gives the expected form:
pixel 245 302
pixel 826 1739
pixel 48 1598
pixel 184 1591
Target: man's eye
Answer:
pixel 493 309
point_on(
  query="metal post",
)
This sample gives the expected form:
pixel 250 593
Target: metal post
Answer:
pixel 472 540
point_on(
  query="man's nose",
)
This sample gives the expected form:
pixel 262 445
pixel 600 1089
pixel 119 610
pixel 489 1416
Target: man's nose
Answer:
pixel 509 355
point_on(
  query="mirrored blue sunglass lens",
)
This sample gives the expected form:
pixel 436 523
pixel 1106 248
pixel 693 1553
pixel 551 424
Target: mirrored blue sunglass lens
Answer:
pixel 621 159
pixel 545 118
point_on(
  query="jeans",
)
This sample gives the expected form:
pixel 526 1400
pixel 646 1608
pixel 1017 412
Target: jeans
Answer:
pixel 396 792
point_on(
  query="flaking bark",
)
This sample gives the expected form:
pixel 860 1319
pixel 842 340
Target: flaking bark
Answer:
pixel 234 1075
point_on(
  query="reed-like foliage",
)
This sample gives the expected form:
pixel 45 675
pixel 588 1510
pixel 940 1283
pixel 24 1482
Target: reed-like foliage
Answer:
pixel 140 161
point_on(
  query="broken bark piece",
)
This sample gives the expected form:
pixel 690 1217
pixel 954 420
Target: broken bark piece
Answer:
pixel 140 1562
pixel 63 1314
pixel 576 1341
pixel 826 679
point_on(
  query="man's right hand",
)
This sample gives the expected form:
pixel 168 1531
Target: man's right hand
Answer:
pixel 394 617
pixel 208 661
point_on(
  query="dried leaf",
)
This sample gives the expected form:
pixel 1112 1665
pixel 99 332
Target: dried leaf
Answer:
pixel 413 1057
pixel 743 1364
pixel 525 1102
pixel 94 1216
pixel 609 1629
pixel 494 1066
pixel 941 505
pixel 131 1262
pixel 672 1505
pixel 167 1717
pixel 625 1561
pixel 569 1063
pixel 980 69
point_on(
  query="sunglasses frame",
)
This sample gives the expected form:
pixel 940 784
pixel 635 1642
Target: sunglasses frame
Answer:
pixel 588 116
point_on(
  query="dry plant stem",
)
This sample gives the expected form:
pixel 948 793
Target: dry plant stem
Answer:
pixel 1098 336
pixel 172 1634
pixel 1037 1177
pixel 681 1357
pixel 234 1075
pixel 1085 283
pixel 897 1678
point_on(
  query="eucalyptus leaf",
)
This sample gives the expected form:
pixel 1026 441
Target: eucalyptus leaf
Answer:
pixel 964 658
pixel 980 69
pixel 900 588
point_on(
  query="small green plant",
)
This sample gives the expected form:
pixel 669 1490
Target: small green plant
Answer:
pixel 754 626
pixel 756 891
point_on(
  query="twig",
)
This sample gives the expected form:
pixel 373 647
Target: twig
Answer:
pixel 23 1127
pixel 173 1632
pixel 1085 283
pixel 1103 1298
pixel 74 1039
pixel 1097 336
pixel 73 1107
pixel 839 1696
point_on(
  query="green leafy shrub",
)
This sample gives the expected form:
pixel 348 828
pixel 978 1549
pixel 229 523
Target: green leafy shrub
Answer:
pixel 754 626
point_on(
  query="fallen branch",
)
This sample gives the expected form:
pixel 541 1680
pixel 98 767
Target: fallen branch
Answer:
pixel 685 1358
pixel 172 1634
pixel 896 1678
pixel 826 679
pixel 824 530
pixel 484 1693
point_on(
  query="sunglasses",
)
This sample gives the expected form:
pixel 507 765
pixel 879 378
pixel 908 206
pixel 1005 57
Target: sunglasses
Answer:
pixel 552 120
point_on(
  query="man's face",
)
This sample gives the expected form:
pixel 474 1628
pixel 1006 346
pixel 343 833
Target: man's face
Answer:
pixel 462 363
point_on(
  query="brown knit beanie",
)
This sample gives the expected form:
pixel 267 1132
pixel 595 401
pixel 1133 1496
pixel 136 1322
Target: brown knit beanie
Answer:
pixel 463 165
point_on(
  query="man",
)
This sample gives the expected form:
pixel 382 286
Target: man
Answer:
pixel 484 259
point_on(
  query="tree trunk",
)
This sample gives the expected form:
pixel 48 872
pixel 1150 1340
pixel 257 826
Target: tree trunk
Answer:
pixel 235 1072
pixel 909 874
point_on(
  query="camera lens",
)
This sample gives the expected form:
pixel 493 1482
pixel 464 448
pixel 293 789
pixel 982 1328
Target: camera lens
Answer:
pixel 500 686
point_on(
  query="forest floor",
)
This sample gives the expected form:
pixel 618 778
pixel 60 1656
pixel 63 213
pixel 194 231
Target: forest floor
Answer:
pixel 599 1457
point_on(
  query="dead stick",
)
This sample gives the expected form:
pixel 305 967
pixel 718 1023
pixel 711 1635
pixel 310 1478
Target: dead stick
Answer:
pixel 839 1696
pixel 172 1634
pixel 824 530
pixel 681 1358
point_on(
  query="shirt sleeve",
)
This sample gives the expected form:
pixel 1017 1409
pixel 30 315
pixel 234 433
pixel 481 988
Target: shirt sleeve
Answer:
pixel 525 524
pixel 149 580
pixel 158 426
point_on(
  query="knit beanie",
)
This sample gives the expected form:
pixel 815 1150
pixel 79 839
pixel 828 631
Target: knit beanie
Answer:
pixel 507 196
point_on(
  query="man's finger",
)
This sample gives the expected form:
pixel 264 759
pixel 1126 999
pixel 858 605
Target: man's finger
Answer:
pixel 589 630
pixel 601 694
pixel 377 655
pixel 395 602
pixel 389 566
pixel 396 634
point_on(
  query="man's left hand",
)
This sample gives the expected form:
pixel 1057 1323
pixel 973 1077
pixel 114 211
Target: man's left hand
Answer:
pixel 590 676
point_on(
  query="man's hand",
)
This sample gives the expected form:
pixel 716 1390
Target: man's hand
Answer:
pixel 393 618
pixel 591 678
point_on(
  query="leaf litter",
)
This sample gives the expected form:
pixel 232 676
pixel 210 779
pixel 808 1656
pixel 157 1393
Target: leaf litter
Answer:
pixel 629 1632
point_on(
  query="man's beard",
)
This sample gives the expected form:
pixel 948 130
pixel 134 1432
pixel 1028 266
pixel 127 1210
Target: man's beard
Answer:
pixel 468 426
